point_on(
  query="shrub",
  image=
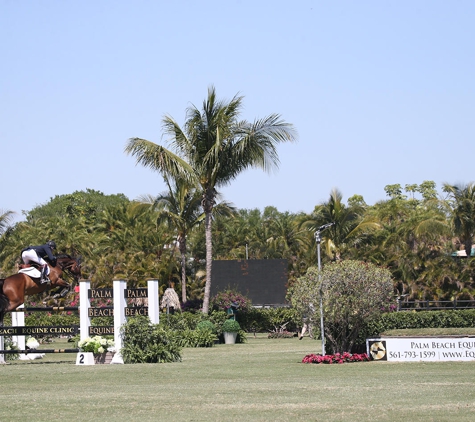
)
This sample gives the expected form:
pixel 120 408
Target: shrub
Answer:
pixel 9 345
pixel 261 320
pixel 420 319
pixel 231 326
pixel 206 325
pixel 353 292
pixel 148 343
pixel 281 334
pixel 192 305
pixel 203 337
pixel 181 321
pixel 228 298
pixel 218 318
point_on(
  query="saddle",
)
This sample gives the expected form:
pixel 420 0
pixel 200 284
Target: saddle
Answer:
pixel 30 271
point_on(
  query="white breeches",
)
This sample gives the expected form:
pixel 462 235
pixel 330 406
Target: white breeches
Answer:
pixel 31 256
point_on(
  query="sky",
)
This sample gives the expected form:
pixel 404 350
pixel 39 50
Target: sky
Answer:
pixel 379 92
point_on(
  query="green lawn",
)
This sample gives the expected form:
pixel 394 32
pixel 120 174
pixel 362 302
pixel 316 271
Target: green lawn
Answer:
pixel 258 381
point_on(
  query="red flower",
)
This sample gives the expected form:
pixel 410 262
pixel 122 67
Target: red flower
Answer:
pixel 336 358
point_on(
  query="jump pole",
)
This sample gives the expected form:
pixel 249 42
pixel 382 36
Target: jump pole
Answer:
pixel 18 320
pixel 153 302
pixel 120 303
pixel 85 304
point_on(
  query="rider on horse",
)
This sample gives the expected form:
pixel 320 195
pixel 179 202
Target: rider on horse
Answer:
pixel 38 254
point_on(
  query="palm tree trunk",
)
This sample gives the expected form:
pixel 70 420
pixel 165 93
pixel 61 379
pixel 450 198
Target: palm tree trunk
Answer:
pixel 468 245
pixel 183 274
pixel 182 247
pixel 209 261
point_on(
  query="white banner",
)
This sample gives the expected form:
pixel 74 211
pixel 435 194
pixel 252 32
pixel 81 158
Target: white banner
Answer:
pixel 414 349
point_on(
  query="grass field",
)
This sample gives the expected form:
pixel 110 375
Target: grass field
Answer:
pixel 258 381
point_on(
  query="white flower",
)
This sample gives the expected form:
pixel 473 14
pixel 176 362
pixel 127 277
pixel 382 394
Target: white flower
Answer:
pixel 32 343
pixel 95 344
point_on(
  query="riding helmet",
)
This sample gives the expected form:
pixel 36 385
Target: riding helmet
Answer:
pixel 51 244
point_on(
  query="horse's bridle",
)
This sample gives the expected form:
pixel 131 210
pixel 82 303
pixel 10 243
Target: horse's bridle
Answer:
pixel 67 267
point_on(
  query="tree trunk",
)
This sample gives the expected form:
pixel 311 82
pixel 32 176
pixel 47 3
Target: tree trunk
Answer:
pixel 468 246
pixel 182 247
pixel 183 278
pixel 207 203
pixel 209 261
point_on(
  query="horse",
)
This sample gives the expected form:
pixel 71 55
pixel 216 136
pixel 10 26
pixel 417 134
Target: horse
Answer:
pixel 14 288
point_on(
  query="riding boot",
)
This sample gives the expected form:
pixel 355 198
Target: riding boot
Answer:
pixel 44 275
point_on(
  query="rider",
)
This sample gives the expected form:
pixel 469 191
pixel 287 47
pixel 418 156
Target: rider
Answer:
pixel 38 254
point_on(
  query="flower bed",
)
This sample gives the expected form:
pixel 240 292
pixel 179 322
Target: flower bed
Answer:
pixel 336 358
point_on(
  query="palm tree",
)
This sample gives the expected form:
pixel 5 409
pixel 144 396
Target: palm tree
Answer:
pixel 212 149
pixel 127 242
pixel 463 213
pixel 287 237
pixel 6 218
pixel 180 207
pixel 411 241
pixel 349 224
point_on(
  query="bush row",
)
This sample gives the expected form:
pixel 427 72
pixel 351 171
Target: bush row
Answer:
pixel 274 319
pixel 418 319
pixel 254 320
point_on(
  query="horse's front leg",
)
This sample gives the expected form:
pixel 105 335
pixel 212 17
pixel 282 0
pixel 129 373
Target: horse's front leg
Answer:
pixel 62 288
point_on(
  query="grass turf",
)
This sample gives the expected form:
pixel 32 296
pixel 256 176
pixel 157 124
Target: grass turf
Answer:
pixel 258 381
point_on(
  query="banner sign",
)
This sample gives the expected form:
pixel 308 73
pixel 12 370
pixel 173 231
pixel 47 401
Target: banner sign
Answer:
pixel 415 349
pixel 39 331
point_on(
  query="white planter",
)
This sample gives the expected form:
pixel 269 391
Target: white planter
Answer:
pixel 229 338
pixel 85 358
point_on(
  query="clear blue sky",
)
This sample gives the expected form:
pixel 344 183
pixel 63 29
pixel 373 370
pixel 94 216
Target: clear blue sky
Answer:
pixel 380 92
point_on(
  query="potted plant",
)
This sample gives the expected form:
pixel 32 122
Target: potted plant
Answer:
pixel 102 348
pixel 230 329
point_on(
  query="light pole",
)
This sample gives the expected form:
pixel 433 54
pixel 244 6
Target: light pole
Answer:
pixel 318 240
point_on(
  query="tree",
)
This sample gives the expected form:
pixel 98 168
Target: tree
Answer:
pixel 5 220
pixel 212 149
pixel 286 238
pixel 86 205
pixel 463 213
pixel 180 208
pixel 353 294
pixel 130 244
pixel 411 240
pixel 349 223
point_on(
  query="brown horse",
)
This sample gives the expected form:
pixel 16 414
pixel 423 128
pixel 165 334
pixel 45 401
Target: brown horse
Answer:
pixel 14 288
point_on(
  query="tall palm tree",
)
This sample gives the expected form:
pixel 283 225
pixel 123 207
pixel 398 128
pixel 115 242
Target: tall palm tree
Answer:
pixel 463 213
pixel 212 149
